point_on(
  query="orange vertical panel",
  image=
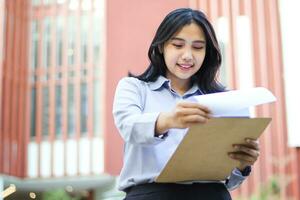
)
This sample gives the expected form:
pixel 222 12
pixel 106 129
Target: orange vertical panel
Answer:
pixel 224 10
pixel 242 9
pixel 13 108
pixel 275 128
pixel 261 79
pixel 23 128
pixel 2 27
pixel 277 83
pixel 7 88
pixel 13 123
pixel 193 4
pixel 25 131
pixel 233 13
pixel 246 8
pixel 214 11
pixel 203 6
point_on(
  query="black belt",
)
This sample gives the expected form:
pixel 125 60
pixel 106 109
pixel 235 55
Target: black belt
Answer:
pixel 155 187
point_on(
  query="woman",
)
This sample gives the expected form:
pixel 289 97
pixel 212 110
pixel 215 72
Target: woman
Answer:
pixel 151 111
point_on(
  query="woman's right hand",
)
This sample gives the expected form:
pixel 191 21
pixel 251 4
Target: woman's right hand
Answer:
pixel 183 115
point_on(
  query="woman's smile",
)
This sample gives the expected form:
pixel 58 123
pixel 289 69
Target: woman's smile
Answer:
pixel 185 67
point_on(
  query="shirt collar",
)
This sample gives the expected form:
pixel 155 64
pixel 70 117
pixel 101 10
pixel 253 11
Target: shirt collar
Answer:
pixel 163 81
pixel 194 89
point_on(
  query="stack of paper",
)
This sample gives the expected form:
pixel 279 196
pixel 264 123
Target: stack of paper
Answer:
pixel 202 154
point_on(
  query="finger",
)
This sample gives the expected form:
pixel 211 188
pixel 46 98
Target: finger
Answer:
pixel 242 157
pixel 194 119
pixel 250 143
pixel 193 111
pixel 253 142
pixel 245 149
pixel 187 104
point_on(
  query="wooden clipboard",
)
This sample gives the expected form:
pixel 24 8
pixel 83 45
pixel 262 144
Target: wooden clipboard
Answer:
pixel 202 154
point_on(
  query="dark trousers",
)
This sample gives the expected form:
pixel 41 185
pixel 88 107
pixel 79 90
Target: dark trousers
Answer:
pixel 172 191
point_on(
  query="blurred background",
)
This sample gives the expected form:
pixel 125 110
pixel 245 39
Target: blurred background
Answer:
pixel 60 61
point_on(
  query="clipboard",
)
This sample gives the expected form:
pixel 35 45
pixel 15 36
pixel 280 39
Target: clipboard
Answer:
pixel 202 154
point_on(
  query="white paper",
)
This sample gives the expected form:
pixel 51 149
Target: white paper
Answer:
pixel 236 102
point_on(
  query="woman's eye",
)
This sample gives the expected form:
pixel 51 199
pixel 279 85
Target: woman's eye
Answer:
pixel 178 45
pixel 198 47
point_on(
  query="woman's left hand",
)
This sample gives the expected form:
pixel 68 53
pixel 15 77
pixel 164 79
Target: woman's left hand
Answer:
pixel 246 154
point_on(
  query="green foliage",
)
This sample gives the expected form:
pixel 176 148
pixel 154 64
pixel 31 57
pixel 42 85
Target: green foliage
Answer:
pixel 268 191
pixel 271 190
pixel 59 194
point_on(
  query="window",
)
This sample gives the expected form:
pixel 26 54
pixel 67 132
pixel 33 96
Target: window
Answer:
pixel 35 2
pixel 84 107
pixel 35 44
pixel 45 111
pixel 84 38
pixel 33 113
pixel 97 108
pixel 59 40
pixel 47 42
pixel 71 40
pixel 289 11
pixel 71 110
pixel 223 37
pixel 58 110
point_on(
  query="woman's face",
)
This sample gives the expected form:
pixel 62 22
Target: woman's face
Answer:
pixel 184 53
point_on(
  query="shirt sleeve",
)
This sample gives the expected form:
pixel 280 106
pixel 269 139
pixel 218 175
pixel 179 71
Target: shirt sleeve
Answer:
pixel 133 125
pixel 235 179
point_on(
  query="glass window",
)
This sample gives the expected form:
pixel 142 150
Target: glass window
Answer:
pixel 223 72
pixel 47 42
pixel 73 4
pixel 71 110
pixel 60 1
pixel 84 107
pixel 86 5
pixel 97 38
pixel 32 113
pixel 222 30
pixel 59 40
pixel 58 110
pixel 2 31
pixel 35 44
pixel 84 38
pixel 97 108
pixel 35 2
pixel 99 7
pixel 71 40
pixel 45 111
pixel 47 2
pixel 244 56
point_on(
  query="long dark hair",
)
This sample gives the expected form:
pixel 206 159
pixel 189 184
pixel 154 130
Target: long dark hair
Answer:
pixel 174 21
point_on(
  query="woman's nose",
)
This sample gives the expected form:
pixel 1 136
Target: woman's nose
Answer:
pixel 187 54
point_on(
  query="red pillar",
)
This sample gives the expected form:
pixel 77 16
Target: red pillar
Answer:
pixel 14 77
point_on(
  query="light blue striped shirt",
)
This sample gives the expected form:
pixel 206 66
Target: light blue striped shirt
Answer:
pixel 136 107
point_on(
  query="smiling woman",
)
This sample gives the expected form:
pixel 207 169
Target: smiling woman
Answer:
pixel 152 110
